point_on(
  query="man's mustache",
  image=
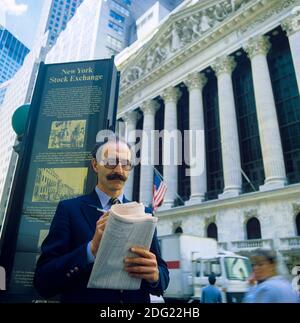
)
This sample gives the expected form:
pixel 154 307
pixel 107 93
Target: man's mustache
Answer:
pixel 114 176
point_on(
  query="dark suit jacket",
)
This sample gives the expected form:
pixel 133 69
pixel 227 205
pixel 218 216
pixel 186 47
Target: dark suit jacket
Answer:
pixel 63 268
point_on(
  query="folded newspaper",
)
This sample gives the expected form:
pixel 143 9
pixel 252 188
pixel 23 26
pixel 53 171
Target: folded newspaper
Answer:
pixel 127 225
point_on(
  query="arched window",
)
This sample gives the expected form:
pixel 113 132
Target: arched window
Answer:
pixel 212 231
pixel 253 229
pixel 178 230
pixel 298 224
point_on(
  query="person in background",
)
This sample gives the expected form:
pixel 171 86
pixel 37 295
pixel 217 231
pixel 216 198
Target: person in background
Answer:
pixel 211 293
pixel 249 296
pixel 270 287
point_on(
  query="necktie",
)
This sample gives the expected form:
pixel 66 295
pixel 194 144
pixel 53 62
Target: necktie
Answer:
pixel 114 200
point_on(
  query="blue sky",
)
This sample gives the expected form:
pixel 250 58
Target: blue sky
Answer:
pixel 22 18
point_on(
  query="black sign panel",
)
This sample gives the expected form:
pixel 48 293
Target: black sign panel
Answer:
pixel 72 102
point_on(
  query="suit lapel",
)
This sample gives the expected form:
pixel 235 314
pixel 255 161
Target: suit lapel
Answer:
pixel 125 200
pixel 89 206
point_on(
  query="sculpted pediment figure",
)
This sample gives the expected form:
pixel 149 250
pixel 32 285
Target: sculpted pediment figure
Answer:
pixel 180 30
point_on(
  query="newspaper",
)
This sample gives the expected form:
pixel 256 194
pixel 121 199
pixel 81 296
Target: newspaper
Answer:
pixel 127 225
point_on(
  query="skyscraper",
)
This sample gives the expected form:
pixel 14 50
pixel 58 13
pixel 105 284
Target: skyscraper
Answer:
pixel 55 16
pixel 12 54
pixel 3 88
pixel 101 29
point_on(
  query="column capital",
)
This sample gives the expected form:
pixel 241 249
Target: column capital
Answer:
pixel 292 23
pixel 131 117
pixel 149 107
pixel 195 81
pixel 171 94
pixel 224 64
pixel 257 45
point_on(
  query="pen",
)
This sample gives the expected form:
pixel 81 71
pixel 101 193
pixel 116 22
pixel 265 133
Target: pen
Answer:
pixel 97 208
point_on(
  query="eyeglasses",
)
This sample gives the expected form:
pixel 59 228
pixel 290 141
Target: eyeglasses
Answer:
pixel 112 163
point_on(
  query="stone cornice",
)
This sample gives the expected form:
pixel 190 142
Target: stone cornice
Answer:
pixel 289 192
pixel 139 76
pixel 274 10
pixel 180 32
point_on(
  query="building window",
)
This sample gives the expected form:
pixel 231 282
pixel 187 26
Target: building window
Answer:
pixel 298 224
pixel 116 16
pixel 184 188
pixel 115 27
pixel 214 165
pixel 253 229
pixel 159 126
pixel 114 42
pixel 287 102
pixel 112 52
pixel 251 156
pixel 137 168
pixel 127 2
pixel 119 8
pixel 142 23
pixel 212 231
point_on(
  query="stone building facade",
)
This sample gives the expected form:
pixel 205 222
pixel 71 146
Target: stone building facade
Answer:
pixel 230 68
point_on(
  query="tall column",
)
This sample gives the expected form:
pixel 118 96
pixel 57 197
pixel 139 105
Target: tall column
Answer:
pixel 195 83
pixel 257 49
pixel 292 27
pixel 223 68
pixel 170 145
pixel 130 120
pixel 149 109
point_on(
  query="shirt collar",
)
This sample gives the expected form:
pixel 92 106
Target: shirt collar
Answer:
pixel 104 198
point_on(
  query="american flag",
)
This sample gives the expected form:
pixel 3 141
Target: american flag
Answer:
pixel 159 191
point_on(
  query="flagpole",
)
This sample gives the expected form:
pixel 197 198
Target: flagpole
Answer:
pixel 244 174
pixel 247 179
pixel 161 177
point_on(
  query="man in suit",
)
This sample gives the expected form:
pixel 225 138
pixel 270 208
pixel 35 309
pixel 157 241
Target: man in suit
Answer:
pixel 69 250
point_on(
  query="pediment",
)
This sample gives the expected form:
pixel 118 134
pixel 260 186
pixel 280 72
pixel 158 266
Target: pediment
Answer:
pixel 181 30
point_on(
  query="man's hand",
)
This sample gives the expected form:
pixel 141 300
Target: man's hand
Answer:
pixel 144 266
pixel 100 226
